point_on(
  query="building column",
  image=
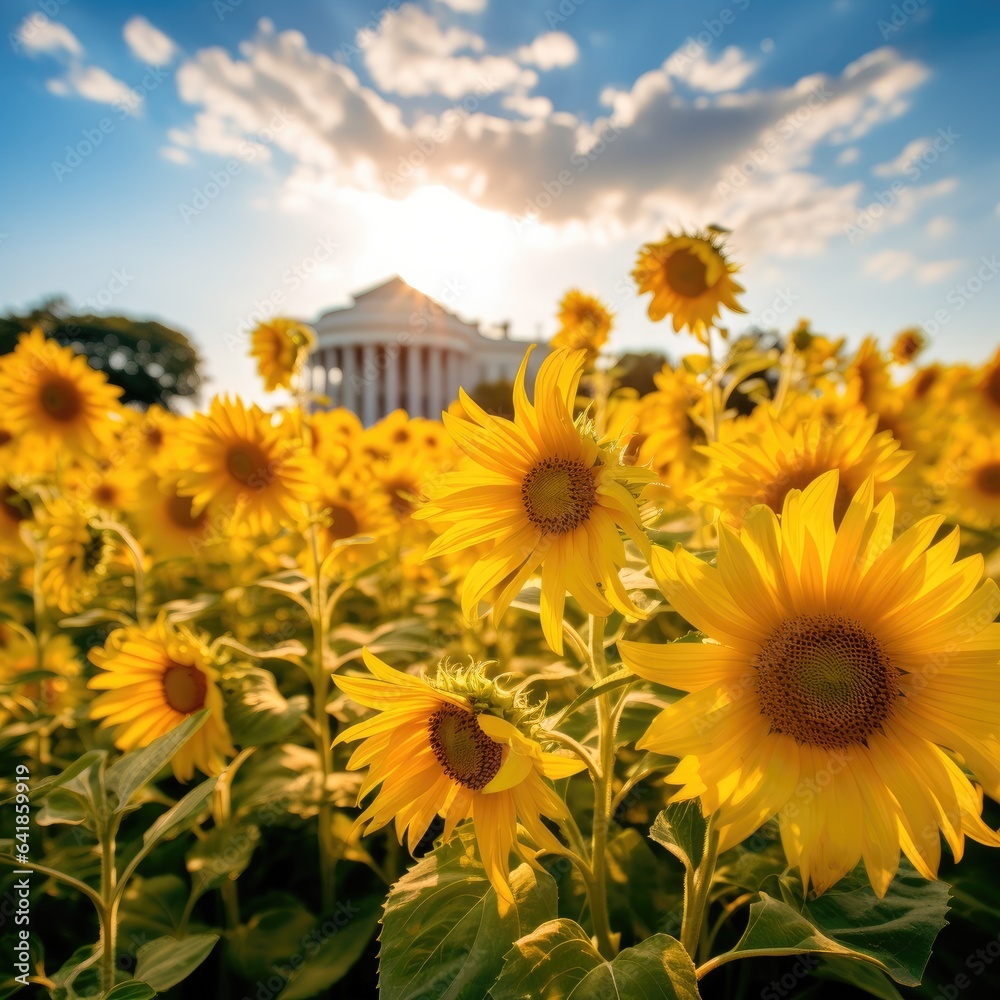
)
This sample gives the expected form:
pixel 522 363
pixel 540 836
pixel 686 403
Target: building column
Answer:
pixel 470 373
pixel 452 376
pixel 434 380
pixel 348 394
pixel 369 376
pixel 392 352
pixel 414 379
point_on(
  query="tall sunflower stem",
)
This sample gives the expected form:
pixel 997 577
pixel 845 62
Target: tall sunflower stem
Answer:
pixel 108 911
pixel 324 741
pixel 697 890
pixel 603 789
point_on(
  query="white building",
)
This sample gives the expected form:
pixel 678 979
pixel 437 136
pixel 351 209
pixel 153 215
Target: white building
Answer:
pixel 395 347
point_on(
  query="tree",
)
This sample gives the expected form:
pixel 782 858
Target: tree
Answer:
pixel 151 362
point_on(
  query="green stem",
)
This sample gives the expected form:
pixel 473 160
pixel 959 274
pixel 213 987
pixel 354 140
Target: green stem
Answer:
pixel 108 911
pixel 697 887
pixel 324 740
pixel 603 781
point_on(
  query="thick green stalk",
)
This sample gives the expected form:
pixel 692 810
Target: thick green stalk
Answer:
pixel 697 888
pixel 108 911
pixel 603 782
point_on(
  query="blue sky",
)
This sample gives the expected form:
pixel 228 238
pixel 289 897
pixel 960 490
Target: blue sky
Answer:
pixel 207 163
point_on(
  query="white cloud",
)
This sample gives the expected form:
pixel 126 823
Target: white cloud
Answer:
pixel 729 72
pixel 742 159
pixel 95 84
pixel 412 55
pixel 910 152
pixel 530 107
pixel 938 270
pixel 849 155
pixel 940 226
pixel 175 155
pixel 891 265
pixel 465 6
pixel 39 34
pixel 549 51
pixel 148 43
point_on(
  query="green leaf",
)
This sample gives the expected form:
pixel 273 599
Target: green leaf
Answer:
pixel 167 960
pixel 66 776
pixel 179 816
pixel 558 960
pixel 134 990
pixel 151 908
pixel 71 981
pixel 895 933
pixel 442 935
pixel 132 770
pixel 680 828
pixel 341 937
pixel 292 650
pixel 61 806
pixel 270 938
pixel 610 683
pixel 860 975
pixel 256 710
pixel 223 854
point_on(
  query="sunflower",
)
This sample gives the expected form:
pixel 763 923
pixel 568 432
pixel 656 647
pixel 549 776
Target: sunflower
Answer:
pixel 281 347
pixel 987 389
pixel 167 524
pixel 543 493
pixel 584 323
pixel 352 508
pixel 907 345
pixel 113 488
pixel 846 681
pixel 75 555
pixel 448 748
pixel 690 278
pixel 762 461
pixel 48 392
pixel 15 510
pixel 152 680
pixel 242 465
pixel 968 479
pixel 51 695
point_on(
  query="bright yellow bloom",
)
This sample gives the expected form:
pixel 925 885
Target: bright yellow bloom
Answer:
pixel 967 479
pixel 113 489
pixel 762 461
pixel 167 525
pixel 48 696
pixel 987 386
pixel 49 392
pixel 243 465
pixel 545 495
pixel 15 510
pixel 690 278
pixel 351 508
pixel 75 555
pixel 152 680
pixel 907 345
pixel 281 347
pixel 846 680
pixel 445 749
pixel 584 323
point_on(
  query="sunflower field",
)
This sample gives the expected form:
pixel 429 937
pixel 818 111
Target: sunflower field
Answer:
pixel 627 696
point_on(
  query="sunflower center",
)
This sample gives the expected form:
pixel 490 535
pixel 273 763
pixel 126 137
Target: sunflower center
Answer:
pixel 825 680
pixel 184 688
pixel 343 523
pixel 93 552
pixel 463 750
pixel 558 494
pixel 104 495
pixel 988 478
pixel 5 437
pixel 924 382
pixel 60 399
pixel 246 463
pixel 179 512
pixel 774 492
pixel 12 504
pixel 686 273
